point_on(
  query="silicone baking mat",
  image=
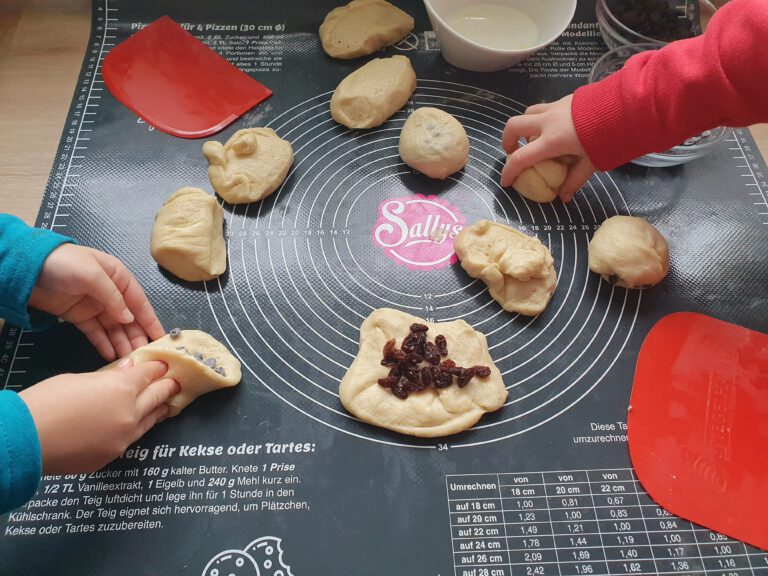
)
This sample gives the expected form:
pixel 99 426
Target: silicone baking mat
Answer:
pixel 274 477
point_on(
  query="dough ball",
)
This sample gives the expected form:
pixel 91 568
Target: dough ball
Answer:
pixel 430 412
pixel 434 143
pixel 541 181
pixel 629 252
pixel 196 360
pixel 363 27
pixel 188 236
pixel 250 166
pixel 518 269
pixel 372 93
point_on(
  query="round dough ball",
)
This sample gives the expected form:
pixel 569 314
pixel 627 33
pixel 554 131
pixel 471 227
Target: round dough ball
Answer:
pixel 363 27
pixel 629 252
pixel 372 93
pixel 434 143
pixel 250 166
pixel 188 236
pixel 542 181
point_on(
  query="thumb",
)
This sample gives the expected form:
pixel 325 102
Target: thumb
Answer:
pixel 576 178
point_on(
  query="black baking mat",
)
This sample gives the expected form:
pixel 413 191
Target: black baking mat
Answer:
pixel 304 271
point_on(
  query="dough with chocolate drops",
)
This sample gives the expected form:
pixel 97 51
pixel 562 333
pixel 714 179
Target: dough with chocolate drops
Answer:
pixel 374 92
pixel 629 252
pixel 195 359
pixel 518 269
pixel 187 238
pixel 431 412
pixel 434 143
pixel 363 27
pixel 251 165
pixel 541 182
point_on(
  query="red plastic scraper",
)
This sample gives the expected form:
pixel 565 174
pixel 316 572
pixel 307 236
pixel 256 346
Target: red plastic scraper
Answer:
pixel 698 423
pixel 178 84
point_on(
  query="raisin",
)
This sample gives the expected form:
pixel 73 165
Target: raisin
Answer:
pixel 465 376
pixel 419 328
pixel 395 372
pixel 400 388
pixel 414 358
pixel 388 381
pixel 431 354
pixel 612 279
pixel 174 333
pixel 427 376
pixel 410 372
pixel 481 371
pixel 421 340
pixel 388 347
pixel 457 371
pixel 410 343
pixel 448 363
pixel 442 345
pixel 443 380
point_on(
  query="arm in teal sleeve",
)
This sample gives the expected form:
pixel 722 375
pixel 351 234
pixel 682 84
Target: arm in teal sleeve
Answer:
pixel 23 251
pixel 21 462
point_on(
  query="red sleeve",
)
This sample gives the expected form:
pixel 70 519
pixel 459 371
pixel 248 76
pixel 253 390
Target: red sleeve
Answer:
pixel 664 96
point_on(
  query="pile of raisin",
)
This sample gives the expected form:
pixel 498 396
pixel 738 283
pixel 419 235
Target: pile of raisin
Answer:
pixel 657 19
pixel 409 374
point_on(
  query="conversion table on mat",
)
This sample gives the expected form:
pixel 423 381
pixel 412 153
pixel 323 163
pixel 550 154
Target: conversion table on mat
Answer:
pixel 580 522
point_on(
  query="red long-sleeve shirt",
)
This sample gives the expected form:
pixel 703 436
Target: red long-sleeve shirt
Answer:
pixel 662 97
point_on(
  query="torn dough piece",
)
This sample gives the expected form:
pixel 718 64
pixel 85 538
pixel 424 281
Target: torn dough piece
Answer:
pixel 195 359
pixel 630 252
pixel 434 143
pixel 187 238
pixel 431 412
pixel 250 166
pixel 372 93
pixel 518 269
pixel 363 27
pixel 541 182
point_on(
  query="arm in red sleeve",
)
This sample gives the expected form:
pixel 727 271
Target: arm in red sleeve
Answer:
pixel 662 97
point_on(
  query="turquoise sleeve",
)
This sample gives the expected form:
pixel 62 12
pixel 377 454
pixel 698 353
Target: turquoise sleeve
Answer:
pixel 23 251
pixel 21 463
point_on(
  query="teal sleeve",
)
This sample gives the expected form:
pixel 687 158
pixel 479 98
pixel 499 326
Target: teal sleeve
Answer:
pixel 23 251
pixel 21 463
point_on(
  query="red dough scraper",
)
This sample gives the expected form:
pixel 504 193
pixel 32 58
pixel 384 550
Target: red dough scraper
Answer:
pixel 698 423
pixel 178 84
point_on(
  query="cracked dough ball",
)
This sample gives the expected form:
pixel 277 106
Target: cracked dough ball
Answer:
pixel 541 181
pixel 250 166
pixel 363 27
pixel 434 143
pixel 188 236
pixel 629 252
pixel 431 412
pixel 518 269
pixel 182 355
pixel 372 93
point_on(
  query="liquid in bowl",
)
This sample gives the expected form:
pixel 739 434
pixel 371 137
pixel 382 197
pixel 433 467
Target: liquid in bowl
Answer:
pixel 495 26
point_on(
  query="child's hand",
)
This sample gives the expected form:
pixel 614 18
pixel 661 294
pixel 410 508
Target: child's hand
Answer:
pixel 555 135
pixel 97 293
pixel 84 421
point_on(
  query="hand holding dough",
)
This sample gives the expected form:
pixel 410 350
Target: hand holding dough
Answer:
pixel 372 93
pixel 196 360
pixel 363 27
pixel 518 269
pixel 629 252
pixel 434 143
pixel 188 236
pixel 250 166
pixel 430 412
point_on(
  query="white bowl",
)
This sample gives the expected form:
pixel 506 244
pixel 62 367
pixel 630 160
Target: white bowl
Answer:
pixel 550 16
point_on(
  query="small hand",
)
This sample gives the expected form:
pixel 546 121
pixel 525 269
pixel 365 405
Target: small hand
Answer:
pixel 84 421
pixel 98 294
pixel 550 133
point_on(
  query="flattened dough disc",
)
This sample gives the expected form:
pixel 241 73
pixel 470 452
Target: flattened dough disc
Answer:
pixel 178 84
pixel 698 424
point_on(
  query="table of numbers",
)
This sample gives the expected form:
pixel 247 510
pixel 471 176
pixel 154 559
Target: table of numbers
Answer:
pixel 580 522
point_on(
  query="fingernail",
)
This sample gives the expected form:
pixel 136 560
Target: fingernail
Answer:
pixel 125 363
